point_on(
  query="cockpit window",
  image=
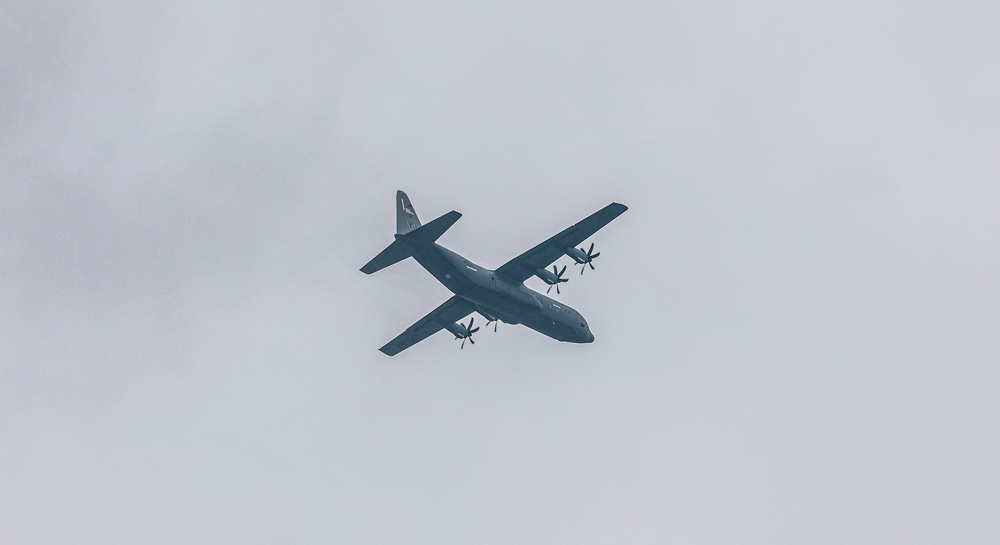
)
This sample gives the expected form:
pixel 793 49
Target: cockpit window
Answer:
pixel 583 325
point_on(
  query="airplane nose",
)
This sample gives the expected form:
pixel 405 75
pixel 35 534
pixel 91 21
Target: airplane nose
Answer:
pixel 588 337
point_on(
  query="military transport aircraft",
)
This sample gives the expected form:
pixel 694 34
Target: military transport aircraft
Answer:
pixel 497 295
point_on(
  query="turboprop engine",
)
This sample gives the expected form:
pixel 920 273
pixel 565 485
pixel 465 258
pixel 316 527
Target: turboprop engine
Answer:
pixel 462 331
pixel 553 278
pixel 583 257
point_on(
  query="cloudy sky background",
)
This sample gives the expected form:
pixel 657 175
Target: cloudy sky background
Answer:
pixel 796 321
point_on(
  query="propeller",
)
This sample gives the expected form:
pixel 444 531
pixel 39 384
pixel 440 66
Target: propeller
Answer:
pixel 587 258
pixel 559 278
pixel 467 334
pixel 490 319
pixel 493 321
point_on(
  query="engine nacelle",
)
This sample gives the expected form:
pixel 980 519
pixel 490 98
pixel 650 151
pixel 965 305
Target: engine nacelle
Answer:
pixel 577 255
pixel 457 329
pixel 547 276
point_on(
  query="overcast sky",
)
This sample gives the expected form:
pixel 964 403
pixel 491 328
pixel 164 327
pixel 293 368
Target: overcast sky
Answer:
pixel 797 322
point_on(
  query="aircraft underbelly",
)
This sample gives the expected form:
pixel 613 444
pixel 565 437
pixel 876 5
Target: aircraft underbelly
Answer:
pixel 508 302
pixel 523 310
pixel 551 328
pixel 509 309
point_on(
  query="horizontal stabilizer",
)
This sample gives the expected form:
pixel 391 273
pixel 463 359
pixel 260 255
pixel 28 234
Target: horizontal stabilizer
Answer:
pixel 392 254
pixel 400 248
pixel 433 230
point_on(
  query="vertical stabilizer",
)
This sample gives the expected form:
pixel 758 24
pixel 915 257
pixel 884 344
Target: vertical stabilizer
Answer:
pixel 406 216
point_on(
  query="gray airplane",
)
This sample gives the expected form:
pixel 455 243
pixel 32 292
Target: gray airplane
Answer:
pixel 498 295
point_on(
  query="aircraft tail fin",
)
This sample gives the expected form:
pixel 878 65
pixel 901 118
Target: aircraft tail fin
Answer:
pixel 408 233
pixel 406 216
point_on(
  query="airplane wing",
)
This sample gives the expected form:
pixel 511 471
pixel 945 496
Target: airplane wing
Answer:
pixel 450 311
pixel 524 266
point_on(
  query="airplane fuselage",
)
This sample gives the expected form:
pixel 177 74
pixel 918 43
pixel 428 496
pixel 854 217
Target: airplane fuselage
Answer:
pixel 497 298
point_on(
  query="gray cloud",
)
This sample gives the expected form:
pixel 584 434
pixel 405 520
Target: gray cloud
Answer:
pixel 794 320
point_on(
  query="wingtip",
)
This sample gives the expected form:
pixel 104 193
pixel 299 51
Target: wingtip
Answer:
pixel 616 208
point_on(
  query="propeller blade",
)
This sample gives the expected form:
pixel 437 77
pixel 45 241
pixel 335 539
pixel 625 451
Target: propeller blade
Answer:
pixel 493 321
pixel 591 248
pixel 471 331
pixel 472 341
pixel 557 288
pixel 550 288
pixel 560 272
pixel 591 264
pixel 463 343
pixel 595 255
